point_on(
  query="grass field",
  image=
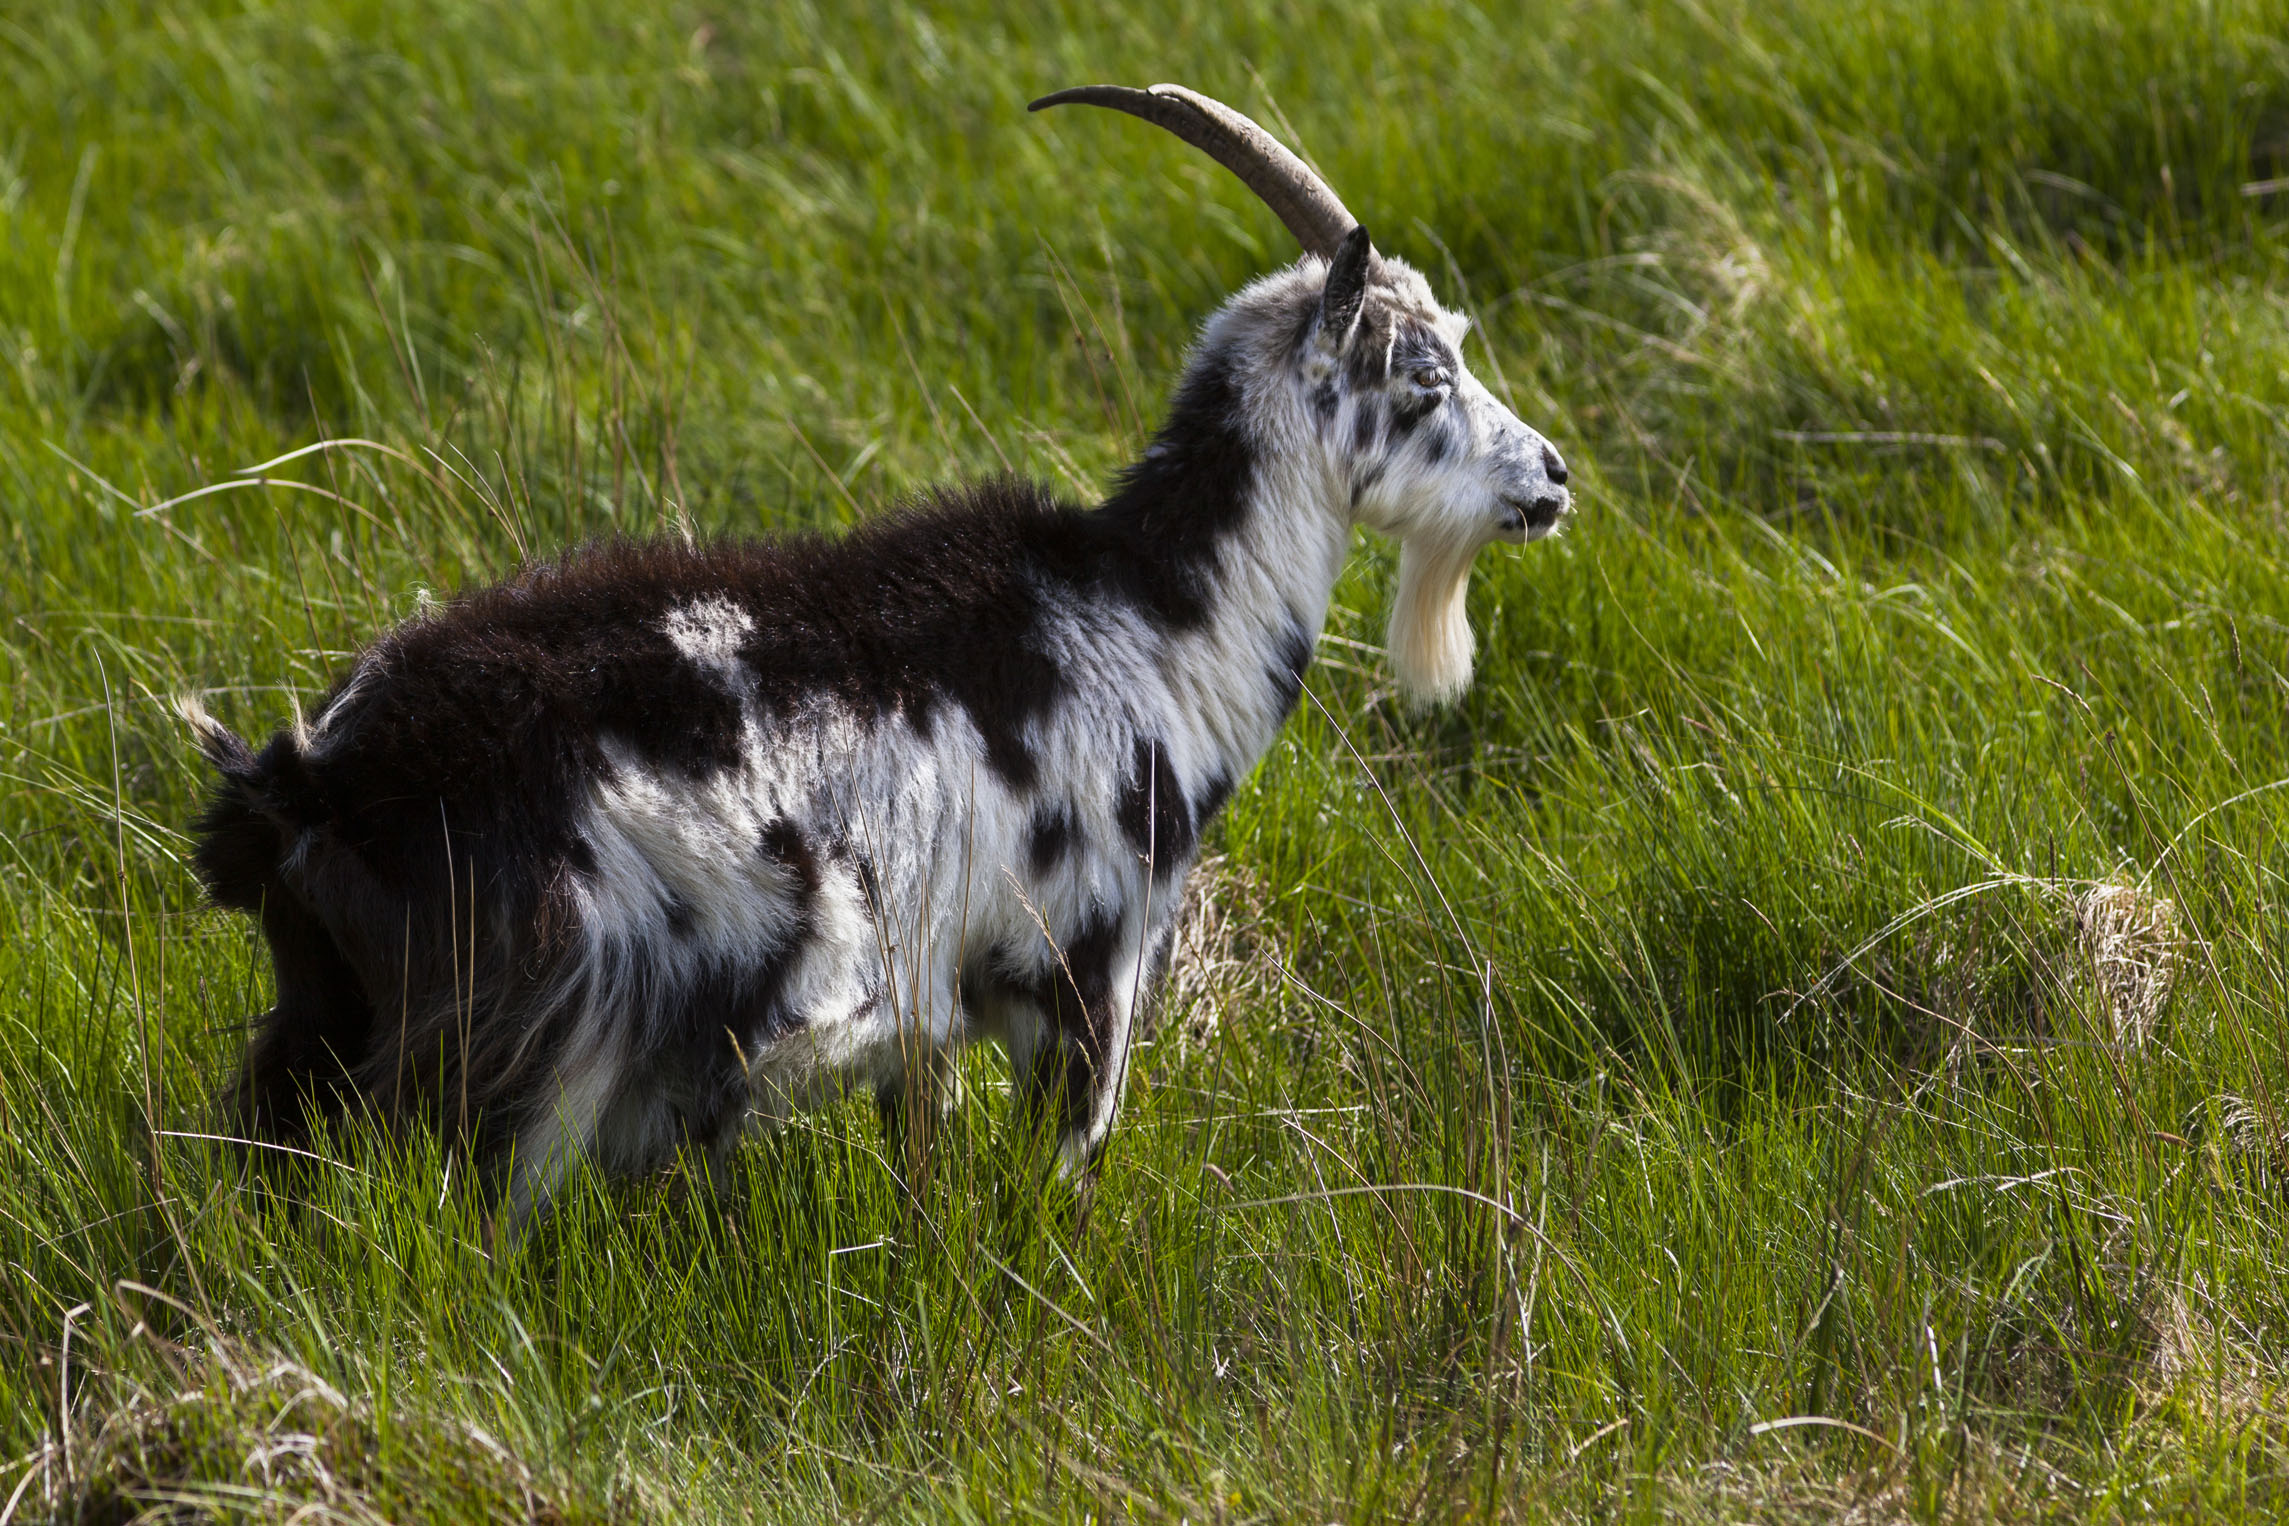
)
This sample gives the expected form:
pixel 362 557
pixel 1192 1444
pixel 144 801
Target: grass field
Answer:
pixel 1804 1037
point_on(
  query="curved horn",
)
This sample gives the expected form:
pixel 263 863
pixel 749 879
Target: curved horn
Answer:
pixel 1287 185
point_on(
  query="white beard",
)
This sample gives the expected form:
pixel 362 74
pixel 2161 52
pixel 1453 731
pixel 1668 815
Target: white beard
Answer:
pixel 1430 640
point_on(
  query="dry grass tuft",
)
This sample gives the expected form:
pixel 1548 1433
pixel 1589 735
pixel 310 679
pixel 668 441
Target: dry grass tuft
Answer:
pixel 1226 956
pixel 2134 944
pixel 243 1437
pixel 1782 1492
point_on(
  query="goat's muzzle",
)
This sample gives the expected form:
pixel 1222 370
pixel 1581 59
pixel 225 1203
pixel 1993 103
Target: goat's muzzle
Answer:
pixel 1533 517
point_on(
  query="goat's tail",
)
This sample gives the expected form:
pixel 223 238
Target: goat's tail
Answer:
pixel 299 1053
pixel 263 802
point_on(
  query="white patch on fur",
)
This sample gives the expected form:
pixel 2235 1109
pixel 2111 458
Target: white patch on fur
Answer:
pixel 709 633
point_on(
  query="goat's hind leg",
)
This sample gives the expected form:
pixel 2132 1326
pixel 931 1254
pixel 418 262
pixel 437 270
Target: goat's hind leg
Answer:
pixel 563 1131
pixel 297 1068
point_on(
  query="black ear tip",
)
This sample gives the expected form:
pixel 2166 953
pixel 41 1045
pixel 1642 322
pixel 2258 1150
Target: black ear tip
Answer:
pixel 1356 252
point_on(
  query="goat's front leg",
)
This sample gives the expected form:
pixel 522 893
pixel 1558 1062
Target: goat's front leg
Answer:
pixel 1069 1052
pixel 914 1106
pixel 918 1086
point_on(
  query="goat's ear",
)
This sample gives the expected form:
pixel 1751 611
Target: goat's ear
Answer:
pixel 1346 290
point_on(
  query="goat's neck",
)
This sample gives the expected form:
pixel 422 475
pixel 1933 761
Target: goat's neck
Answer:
pixel 1274 576
pixel 1234 536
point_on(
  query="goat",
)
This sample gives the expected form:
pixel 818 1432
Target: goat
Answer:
pixel 651 840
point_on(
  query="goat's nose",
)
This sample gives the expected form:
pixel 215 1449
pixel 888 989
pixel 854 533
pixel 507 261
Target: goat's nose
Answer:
pixel 1553 467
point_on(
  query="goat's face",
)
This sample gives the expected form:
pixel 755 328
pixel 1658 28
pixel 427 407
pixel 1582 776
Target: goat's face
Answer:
pixel 1420 445
pixel 1422 451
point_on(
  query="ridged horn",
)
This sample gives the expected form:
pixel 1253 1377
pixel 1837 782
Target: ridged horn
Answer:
pixel 1286 184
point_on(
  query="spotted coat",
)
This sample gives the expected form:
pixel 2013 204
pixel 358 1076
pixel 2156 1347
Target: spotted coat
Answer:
pixel 654 839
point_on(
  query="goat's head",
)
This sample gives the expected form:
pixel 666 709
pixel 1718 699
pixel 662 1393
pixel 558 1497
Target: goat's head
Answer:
pixel 1357 363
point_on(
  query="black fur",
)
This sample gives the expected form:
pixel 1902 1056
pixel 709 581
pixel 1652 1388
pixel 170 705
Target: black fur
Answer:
pixel 1210 803
pixel 695 1048
pixel 784 841
pixel 1157 536
pixel 1153 813
pixel 1074 990
pixel 1366 425
pixel 1345 294
pixel 1051 837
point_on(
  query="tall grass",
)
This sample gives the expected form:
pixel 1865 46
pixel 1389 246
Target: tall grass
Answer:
pixel 1803 1035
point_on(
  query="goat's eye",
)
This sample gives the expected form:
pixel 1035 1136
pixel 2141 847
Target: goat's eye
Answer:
pixel 1430 378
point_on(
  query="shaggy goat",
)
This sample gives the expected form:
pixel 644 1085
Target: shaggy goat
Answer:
pixel 605 859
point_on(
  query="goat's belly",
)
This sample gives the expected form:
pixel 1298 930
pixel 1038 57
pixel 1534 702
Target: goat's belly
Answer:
pixel 810 940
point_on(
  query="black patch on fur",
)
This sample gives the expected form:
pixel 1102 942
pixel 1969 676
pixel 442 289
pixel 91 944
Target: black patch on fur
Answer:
pixel 1057 1085
pixel 406 924
pixel 1366 424
pixel 581 856
pixel 299 1061
pixel 1210 801
pixel 1325 399
pixel 1408 413
pixel 1438 445
pixel 240 836
pixel 783 842
pixel 702 1036
pixel 1155 541
pixel 1348 273
pixel 1286 667
pixel 868 886
pixel 680 920
pixel 1152 811
pixel 1051 837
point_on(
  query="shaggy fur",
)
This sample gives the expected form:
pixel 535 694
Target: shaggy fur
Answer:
pixel 653 839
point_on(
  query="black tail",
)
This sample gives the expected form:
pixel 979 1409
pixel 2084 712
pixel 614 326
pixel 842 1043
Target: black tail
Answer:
pixel 299 1053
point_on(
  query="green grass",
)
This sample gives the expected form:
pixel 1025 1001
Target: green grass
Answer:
pixel 1718 1001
